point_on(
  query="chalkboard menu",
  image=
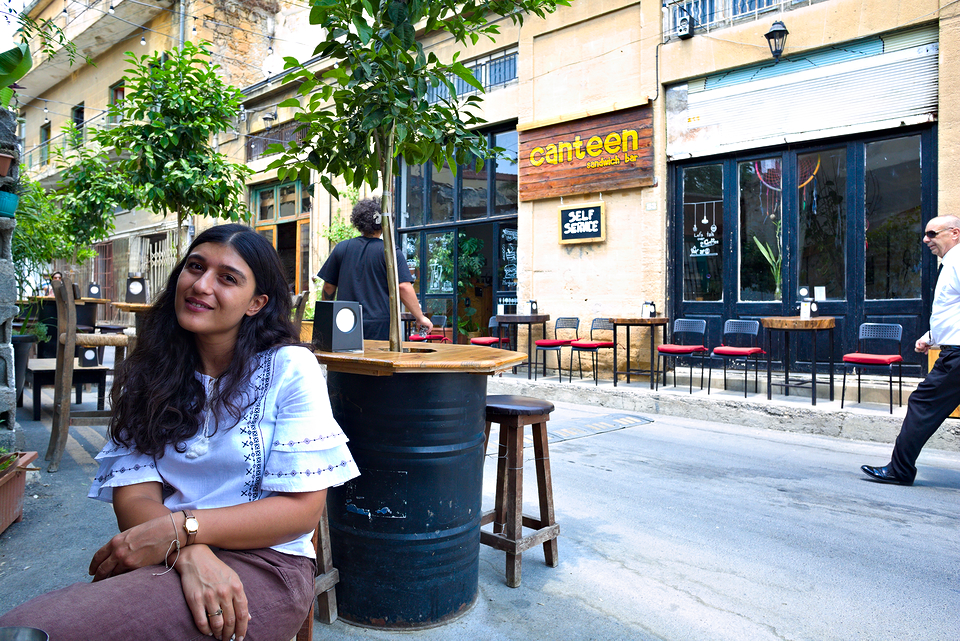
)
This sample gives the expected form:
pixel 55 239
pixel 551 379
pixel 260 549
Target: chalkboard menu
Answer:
pixel 582 223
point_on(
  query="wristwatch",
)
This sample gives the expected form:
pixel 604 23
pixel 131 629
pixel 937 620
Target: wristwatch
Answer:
pixel 192 526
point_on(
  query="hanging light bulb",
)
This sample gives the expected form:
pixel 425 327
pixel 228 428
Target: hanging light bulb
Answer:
pixel 111 10
pixel 143 38
pixel 65 14
pixel 194 30
pixel 45 110
pixel 270 48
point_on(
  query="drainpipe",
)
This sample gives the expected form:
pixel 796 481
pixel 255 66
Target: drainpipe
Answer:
pixel 183 21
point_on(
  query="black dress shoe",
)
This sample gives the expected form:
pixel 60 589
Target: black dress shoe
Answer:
pixel 884 474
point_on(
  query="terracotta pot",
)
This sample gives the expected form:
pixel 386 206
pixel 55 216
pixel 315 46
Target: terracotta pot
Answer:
pixel 12 486
pixel 5 161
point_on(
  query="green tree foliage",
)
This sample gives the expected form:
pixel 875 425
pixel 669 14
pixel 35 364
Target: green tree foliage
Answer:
pixel 41 236
pixel 161 148
pixel 371 108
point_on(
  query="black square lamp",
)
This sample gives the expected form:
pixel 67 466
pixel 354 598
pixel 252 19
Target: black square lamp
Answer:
pixel 338 326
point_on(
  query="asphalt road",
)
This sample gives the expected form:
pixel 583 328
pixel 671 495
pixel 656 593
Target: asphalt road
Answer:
pixel 674 529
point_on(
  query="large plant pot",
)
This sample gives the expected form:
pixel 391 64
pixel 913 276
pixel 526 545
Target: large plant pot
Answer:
pixel 8 204
pixel 21 357
pixel 13 482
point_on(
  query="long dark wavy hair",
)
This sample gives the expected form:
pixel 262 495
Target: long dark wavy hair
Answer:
pixel 156 397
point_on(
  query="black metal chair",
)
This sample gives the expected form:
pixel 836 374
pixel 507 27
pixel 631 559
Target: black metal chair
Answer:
pixel 592 347
pixel 685 334
pixel 859 360
pixel 556 343
pixel 737 332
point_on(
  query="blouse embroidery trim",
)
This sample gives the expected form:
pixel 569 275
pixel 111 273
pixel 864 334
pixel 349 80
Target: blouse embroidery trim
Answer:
pixel 252 430
pixel 308 473
pixel 124 470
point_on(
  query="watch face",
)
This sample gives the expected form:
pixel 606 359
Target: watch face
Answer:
pixel 191 525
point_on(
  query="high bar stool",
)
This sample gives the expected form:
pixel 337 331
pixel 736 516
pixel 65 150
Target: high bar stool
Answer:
pixel 512 413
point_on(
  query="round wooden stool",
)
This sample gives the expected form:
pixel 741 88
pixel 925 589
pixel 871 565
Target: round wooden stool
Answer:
pixel 512 413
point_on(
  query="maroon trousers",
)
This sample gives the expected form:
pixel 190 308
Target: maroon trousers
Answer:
pixel 138 605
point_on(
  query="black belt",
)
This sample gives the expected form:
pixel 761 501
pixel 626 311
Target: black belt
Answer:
pixel 949 348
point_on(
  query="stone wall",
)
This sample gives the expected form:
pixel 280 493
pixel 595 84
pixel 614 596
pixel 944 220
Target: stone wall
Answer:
pixel 8 293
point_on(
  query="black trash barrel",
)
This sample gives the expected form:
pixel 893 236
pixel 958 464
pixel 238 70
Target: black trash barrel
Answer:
pixel 405 534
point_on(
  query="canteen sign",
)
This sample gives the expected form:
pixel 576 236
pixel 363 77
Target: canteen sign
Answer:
pixel 583 223
pixel 594 154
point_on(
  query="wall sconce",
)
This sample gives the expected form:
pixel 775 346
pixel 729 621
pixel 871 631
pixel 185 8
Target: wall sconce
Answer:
pixel 777 39
pixel 269 117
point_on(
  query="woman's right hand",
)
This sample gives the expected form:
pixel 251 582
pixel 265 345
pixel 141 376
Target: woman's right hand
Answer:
pixel 214 593
pixel 136 547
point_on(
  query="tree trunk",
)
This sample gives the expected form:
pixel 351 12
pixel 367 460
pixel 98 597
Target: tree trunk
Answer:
pixel 389 246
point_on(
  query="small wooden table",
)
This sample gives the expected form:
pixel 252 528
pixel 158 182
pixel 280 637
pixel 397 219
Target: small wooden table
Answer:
pixel 787 324
pixel 524 319
pixel 652 323
pixel 42 372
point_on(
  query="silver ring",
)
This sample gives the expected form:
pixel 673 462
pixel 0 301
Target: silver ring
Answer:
pixel 215 614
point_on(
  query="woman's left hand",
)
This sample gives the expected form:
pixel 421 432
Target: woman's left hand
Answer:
pixel 139 546
pixel 214 594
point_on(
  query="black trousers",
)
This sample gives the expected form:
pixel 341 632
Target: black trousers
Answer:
pixel 932 402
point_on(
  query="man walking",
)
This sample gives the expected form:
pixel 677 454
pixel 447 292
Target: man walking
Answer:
pixel 357 269
pixel 939 393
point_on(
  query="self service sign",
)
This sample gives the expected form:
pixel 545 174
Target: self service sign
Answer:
pixel 583 223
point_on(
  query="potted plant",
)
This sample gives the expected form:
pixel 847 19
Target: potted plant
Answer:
pixel 13 482
pixel 469 267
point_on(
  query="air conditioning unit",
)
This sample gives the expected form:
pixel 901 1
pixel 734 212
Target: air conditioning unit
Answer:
pixel 685 27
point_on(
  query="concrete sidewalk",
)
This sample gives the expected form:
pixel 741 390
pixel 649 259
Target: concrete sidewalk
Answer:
pixel 671 528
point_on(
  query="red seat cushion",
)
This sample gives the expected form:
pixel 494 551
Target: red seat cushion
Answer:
pixel 726 350
pixel 680 349
pixel 550 342
pixel 591 344
pixel 487 340
pixel 872 359
pixel 418 337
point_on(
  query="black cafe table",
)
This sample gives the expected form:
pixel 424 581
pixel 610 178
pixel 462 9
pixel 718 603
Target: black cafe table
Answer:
pixel 788 324
pixel 524 319
pixel 652 323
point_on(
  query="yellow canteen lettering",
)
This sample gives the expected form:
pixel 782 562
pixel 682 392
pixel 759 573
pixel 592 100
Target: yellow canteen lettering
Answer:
pixel 612 144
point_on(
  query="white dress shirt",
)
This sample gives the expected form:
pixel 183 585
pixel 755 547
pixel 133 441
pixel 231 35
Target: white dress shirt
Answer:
pixel 945 315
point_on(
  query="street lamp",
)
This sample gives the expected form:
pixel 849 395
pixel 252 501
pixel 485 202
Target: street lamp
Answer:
pixel 777 39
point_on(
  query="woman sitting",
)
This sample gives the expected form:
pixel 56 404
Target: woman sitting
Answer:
pixel 220 450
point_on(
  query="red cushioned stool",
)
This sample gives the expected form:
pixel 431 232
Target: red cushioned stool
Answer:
pixel 512 413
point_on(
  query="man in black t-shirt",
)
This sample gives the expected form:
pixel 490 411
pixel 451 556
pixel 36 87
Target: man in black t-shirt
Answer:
pixel 357 271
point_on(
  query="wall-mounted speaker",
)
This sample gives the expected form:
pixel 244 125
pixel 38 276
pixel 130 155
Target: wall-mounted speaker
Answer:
pixel 685 25
pixel 338 326
pixel 136 289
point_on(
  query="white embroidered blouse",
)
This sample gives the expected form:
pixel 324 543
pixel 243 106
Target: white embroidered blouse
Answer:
pixel 286 441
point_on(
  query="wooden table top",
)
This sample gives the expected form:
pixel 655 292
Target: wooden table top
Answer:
pixel 136 308
pixel 78 301
pixel 656 320
pixel 522 318
pixel 795 322
pixel 377 360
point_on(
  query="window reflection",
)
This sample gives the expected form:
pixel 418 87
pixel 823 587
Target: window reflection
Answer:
pixel 761 234
pixel 822 189
pixel 893 249
pixel 703 233
pixel 441 195
pixel 507 193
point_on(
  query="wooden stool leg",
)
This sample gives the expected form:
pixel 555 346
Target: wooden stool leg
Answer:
pixel 326 600
pixel 499 507
pixel 545 489
pixel 513 526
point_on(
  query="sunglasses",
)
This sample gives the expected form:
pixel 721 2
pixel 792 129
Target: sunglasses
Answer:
pixel 930 233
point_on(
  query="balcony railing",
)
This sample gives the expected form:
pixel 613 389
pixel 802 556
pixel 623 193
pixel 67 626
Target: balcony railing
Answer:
pixel 39 158
pixel 287 132
pixel 492 71
pixel 709 15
